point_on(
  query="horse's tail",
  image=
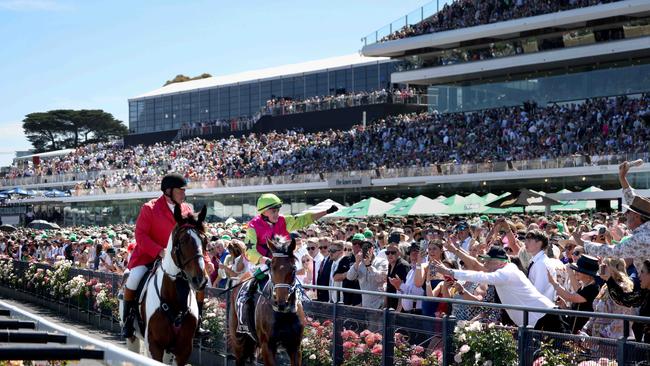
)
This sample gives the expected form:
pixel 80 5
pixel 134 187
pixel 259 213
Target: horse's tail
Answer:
pixel 241 345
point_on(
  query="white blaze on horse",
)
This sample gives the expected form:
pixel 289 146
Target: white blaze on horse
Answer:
pixel 168 304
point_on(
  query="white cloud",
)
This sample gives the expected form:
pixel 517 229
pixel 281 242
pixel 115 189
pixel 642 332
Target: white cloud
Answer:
pixel 33 5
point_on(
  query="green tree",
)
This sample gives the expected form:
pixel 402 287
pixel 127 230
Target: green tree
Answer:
pixel 66 128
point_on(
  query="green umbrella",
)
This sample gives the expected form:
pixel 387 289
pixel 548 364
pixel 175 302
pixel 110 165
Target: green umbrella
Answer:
pixel 455 199
pixel 489 198
pixel 368 207
pixel 472 204
pixel 419 205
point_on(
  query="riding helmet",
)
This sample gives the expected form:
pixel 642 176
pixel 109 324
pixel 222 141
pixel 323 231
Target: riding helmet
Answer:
pixel 173 180
pixel 267 201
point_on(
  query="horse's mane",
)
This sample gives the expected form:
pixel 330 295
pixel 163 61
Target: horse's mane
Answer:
pixel 281 245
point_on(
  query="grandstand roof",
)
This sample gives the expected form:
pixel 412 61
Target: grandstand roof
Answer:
pixel 49 154
pixel 268 73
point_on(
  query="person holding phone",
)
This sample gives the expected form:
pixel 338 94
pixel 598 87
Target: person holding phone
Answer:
pixel 371 272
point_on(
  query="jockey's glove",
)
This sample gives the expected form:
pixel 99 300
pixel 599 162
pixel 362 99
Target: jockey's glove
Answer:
pixel 332 209
pixel 260 273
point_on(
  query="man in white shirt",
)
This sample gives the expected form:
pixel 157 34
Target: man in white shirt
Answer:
pixel 313 250
pixel 513 288
pixel 536 244
pixel 336 254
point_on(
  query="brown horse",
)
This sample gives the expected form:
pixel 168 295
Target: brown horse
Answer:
pixel 170 308
pixel 279 318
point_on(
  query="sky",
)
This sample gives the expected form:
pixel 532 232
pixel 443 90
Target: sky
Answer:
pixel 63 54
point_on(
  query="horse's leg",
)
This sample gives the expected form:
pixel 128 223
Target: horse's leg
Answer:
pixel 296 357
pixel 156 351
pixel 268 355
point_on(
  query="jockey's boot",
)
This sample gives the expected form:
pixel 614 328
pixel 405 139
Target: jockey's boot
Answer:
pixel 128 328
pixel 128 317
pixel 200 332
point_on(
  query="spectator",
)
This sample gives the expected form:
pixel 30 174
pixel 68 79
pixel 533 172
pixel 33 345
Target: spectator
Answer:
pixel 398 269
pixel 586 271
pixel 610 328
pixel 408 287
pixel 638 298
pixel 370 271
pixel 512 286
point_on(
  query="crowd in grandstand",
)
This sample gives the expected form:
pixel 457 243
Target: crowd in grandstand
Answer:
pixel 596 127
pixel 281 106
pixel 218 126
pixel 469 13
pixel 402 254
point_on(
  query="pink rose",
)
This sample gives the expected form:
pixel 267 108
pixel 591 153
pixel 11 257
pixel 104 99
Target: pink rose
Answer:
pixel 415 360
pixel 539 361
pixel 370 340
pixel 365 333
pixel 418 349
pixel 348 345
pixel 358 350
pixel 377 349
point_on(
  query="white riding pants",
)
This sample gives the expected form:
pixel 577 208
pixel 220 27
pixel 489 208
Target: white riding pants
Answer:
pixel 135 275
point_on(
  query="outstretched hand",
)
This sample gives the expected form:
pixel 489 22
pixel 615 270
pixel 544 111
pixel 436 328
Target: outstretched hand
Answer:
pixel 332 209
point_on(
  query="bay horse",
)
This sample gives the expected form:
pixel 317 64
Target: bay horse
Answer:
pixel 279 317
pixel 169 309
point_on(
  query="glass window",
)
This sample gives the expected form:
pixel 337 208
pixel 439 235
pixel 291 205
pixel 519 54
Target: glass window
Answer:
pixel 244 100
pixel 298 87
pixel 204 105
pixel 234 101
pixel 214 103
pixel 359 78
pixel 276 88
pixel 265 93
pixel 224 103
pixel 195 111
pixel 287 87
pixel 372 80
pixel 255 101
pixel 176 111
pixel 311 85
pixel 323 84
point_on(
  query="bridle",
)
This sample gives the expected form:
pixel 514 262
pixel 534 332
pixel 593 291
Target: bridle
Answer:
pixel 291 288
pixel 177 253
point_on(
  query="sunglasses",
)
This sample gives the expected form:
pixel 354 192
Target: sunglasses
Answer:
pixel 311 248
pixel 576 253
pixel 322 247
pixel 391 252
pixel 347 250
pixel 334 250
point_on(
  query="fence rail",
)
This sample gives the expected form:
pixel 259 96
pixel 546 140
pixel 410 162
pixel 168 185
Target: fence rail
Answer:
pixel 429 332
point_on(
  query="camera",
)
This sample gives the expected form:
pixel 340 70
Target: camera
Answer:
pixel 366 247
pixel 602 230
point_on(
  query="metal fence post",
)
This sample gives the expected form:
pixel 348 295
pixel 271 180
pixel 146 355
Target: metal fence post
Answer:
pixel 522 333
pixel 337 345
pixel 448 325
pixel 389 341
pixel 621 344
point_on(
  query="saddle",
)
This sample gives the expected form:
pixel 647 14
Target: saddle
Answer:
pixel 245 307
pixel 141 292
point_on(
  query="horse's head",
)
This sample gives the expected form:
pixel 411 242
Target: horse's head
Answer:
pixel 188 244
pixel 283 274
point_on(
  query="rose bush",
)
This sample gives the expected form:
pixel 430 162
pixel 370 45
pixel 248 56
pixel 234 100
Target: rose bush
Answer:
pixel 484 345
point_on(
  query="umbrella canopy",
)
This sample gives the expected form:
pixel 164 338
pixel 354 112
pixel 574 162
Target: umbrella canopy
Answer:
pixel 440 198
pixel 522 198
pixel 323 206
pixel 489 198
pixel 398 200
pixel 452 200
pixel 55 193
pixel 42 224
pixel 368 207
pixel 17 190
pixel 7 228
pixel 419 205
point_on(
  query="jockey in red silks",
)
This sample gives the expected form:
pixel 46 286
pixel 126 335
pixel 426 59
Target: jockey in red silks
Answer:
pixel 268 224
pixel 152 230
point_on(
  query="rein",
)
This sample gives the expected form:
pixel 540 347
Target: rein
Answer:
pixel 291 287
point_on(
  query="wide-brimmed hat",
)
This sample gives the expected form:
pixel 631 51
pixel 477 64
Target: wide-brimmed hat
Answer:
pixel 586 264
pixel 495 252
pixel 639 205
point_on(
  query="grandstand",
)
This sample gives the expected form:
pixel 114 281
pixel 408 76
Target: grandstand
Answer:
pixel 551 98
